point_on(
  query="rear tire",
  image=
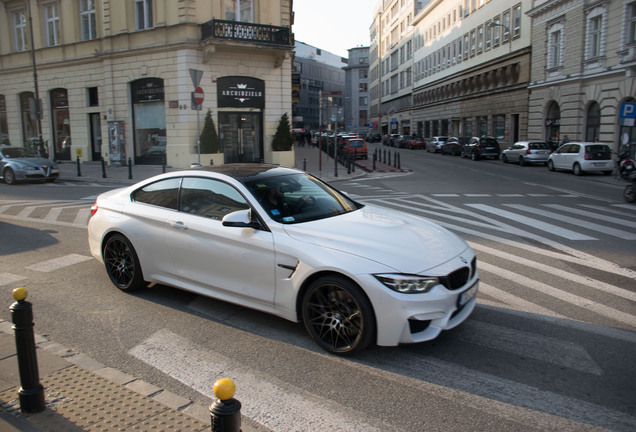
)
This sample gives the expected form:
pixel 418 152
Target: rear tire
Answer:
pixel 576 169
pixel 522 161
pixel 122 264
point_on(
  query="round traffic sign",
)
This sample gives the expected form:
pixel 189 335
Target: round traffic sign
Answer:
pixel 198 95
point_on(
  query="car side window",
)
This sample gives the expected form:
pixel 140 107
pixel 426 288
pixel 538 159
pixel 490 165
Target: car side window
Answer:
pixel 163 193
pixel 210 198
pixel 574 148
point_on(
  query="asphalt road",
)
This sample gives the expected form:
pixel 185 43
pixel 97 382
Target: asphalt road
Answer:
pixel 551 345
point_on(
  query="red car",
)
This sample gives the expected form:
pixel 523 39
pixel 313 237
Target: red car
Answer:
pixel 417 142
pixel 357 146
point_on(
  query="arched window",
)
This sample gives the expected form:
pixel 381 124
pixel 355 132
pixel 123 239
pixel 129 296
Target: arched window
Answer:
pixel 593 123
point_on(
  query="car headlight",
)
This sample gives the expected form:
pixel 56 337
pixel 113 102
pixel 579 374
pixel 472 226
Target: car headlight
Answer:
pixel 408 284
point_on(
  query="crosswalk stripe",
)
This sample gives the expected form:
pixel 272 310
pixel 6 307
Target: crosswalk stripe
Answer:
pixel 552 291
pixel 58 263
pixel 268 401
pixel 8 278
pixel 514 301
pixel 578 222
pixel 592 215
pixel 533 223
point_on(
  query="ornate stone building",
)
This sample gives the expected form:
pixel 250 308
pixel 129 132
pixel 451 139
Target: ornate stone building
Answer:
pixel 115 78
pixel 583 71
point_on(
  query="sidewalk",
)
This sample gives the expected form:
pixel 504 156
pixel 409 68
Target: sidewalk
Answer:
pixel 85 395
pixel 307 158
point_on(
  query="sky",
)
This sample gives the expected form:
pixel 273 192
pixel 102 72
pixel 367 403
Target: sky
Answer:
pixel 333 25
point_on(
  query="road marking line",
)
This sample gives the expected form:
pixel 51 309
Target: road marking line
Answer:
pixel 268 401
pixel 592 215
pixel 532 223
pixel 58 263
pixel 8 278
pixel 514 301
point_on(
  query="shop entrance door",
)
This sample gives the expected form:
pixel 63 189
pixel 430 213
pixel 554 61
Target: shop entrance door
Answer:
pixel 96 136
pixel 241 136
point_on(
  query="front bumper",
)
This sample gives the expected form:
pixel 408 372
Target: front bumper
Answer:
pixel 39 173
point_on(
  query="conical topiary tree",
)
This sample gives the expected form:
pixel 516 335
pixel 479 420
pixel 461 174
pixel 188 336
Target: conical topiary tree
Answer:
pixel 283 140
pixel 209 138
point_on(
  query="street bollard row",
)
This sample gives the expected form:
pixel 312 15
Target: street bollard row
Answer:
pixel 225 411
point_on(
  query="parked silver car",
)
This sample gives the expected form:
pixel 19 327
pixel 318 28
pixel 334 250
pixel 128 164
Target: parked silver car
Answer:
pixel 435 144
pixel 527 152
pixel 581 157
pixel 22 164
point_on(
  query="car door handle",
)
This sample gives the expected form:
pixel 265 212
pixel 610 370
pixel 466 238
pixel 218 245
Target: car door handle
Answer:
pixel 178 225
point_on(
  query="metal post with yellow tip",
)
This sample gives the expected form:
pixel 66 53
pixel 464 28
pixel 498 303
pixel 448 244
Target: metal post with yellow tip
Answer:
pixel 225 411
pixel 31 394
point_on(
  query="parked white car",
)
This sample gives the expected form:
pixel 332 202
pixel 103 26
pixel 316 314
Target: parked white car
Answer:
pixel 582 157
pixel 527 152
pixel 281 241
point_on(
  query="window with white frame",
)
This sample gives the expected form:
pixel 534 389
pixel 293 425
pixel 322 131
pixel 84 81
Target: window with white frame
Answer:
pixel 239 10
pixel 88 20
pixel 143 14
pixel 594 31
pixel 52 24
pixel 487 35
pixel 630 30
pixel 480 39
pixel 18 22
pixel 496 32
pixel 555 44
pixel 506 26
pixel 516 21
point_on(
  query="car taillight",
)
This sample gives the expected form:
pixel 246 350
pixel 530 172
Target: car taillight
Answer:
pixel 94 209
pixel 587 156
pixel 527 151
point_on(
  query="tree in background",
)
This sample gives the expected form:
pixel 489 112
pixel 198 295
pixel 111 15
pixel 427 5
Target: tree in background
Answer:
pixel 283 140
pixel 209 139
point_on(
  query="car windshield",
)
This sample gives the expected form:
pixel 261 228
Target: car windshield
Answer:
pixel 598 152
pixel 357 143
pixel 299 197
pixel 488 141
pixel 538 146
pixel 17 152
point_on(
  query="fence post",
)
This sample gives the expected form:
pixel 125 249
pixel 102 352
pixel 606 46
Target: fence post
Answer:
pixel 129 169
pixel 31 394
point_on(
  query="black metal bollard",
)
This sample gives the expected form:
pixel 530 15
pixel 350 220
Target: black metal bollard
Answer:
pixel 384 156
pixel 374 158
pixel 79 171
pixel 395 158
pixel 103 168
pixel 31 394
pixel 389 158
pixel 225 411
pixel 305 165
pixel 399 162
pixel 129 168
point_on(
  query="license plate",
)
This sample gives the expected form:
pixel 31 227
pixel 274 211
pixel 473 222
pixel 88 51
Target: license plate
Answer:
pixel 467 295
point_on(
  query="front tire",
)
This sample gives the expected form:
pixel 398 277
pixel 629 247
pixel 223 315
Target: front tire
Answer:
pixel 338 316
pixel 474 156
pixel 9 176
pixel 122 264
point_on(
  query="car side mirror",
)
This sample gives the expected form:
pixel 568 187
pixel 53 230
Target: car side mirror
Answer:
pixel 240 219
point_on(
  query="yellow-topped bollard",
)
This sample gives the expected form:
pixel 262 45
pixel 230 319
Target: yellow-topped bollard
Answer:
pixel 225 411
pixel 19 294
pixel 31 394
pixel 224 389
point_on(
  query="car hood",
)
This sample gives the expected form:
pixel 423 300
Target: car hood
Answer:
pixel 33 161
pixel 406 243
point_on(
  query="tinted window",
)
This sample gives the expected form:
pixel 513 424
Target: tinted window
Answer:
pixel 210 198
pixel 598 152
pixel 164 193
pixel 488 142
pixel 538 146
pixel 357 143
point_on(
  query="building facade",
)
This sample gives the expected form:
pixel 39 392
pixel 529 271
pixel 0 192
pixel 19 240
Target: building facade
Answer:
pixel 318 72
pixel 356 94
pixel 115 78
pixel 583 81
pixel 452 67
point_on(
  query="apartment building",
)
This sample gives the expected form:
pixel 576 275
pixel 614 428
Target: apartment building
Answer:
pixel 583 81
pixel 356 118
pixel 114 79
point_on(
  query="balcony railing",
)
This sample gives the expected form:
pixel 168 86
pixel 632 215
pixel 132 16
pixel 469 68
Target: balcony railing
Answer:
pixel 245 32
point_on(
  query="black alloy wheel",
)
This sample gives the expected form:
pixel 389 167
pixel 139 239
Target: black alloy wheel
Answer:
pixel 122 264
pixel 629 193
pixel 338 316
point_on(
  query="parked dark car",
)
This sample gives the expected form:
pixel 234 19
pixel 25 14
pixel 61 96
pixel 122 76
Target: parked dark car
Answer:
pixel 374 138
pixel 453 145
pixel 481 147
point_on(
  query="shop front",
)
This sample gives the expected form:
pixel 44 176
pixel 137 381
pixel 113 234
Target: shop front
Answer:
pixel 241 101
pixel 149 121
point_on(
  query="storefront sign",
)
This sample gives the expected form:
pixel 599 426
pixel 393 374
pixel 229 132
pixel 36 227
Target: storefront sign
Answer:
pixel 240 92
pixel 147 90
